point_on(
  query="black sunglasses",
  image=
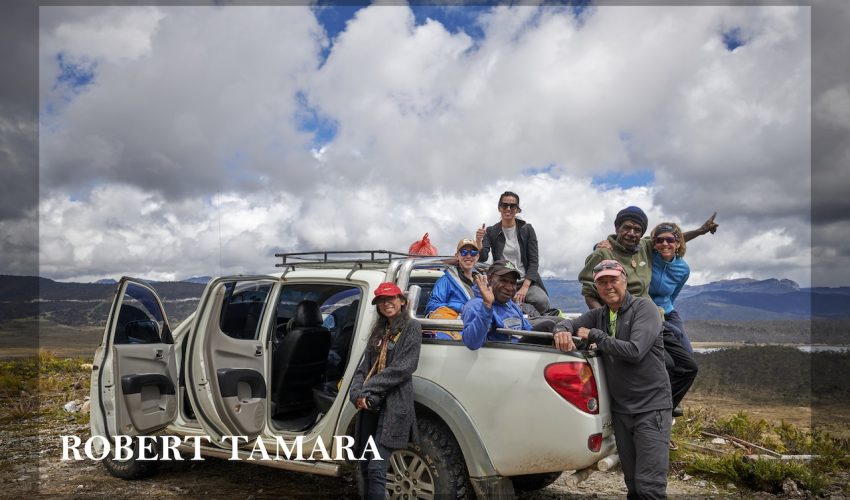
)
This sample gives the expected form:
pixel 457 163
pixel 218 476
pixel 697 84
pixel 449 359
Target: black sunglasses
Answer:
pixel 464 252
pixel 509 206
pixel 666 239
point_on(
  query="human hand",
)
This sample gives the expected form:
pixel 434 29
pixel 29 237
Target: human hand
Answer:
pixel 564 341
pixel 360 403
pixel 519 296
pixel 486 292
pixel 709 226
pixel 583 333
pixel 479 235
pixel 604 244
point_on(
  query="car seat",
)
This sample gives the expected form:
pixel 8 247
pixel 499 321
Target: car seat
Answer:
pixel 299 359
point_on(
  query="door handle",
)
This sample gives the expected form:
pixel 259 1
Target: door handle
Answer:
pixel 158 353
pixel 258 350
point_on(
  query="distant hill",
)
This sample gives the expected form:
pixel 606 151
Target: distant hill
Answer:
pixel 201 280
pixel 82 304
pixel 743 299
pixel 740 300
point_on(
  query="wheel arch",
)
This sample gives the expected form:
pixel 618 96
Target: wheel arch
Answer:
pixel 434 401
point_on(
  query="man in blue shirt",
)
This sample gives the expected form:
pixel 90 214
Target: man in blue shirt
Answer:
pixel 492 307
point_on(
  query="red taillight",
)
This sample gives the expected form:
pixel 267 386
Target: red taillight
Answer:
pixel 575 383
pixel 594 443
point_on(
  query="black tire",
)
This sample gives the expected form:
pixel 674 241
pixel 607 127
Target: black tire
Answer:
pixel 435 465
pixel 131 468
pixel 534 482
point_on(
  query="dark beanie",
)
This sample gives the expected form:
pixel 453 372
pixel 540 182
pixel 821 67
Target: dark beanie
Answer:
pixel 632 213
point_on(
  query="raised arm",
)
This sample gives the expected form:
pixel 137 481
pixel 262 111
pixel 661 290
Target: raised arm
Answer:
pixel 484 243
pixel 708 226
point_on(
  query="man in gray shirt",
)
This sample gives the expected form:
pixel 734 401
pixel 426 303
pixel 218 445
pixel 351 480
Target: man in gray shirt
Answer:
pixel 627 330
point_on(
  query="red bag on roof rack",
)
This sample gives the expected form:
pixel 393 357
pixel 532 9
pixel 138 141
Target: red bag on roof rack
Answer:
pixel 422 247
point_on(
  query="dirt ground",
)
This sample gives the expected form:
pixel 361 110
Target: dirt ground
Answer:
pixel 31 464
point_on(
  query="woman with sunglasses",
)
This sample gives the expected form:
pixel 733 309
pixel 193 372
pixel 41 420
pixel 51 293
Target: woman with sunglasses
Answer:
pixel 514 240
pixel 669 274
pixel 454 288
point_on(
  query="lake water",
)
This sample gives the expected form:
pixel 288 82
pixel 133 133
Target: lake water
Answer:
pixel 803 348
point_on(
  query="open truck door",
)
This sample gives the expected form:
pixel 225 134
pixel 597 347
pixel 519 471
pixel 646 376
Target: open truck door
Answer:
pixel 226 358
pixel 134 374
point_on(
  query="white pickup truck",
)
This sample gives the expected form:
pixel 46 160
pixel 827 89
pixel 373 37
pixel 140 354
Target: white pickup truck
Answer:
pixel 270 357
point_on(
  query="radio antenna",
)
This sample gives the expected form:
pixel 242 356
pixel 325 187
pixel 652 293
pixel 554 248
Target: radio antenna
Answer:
pixel 218 210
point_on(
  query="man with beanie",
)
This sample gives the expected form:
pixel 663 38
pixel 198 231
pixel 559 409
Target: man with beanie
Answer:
pixel 635 255
pixel 629 249
pixel 629 226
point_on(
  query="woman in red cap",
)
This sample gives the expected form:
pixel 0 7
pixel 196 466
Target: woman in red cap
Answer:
pixel 382 387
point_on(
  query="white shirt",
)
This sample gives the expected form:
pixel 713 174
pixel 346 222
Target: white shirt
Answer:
pixel 512 252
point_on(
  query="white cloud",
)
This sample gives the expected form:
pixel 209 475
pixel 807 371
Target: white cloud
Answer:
pixel 195 113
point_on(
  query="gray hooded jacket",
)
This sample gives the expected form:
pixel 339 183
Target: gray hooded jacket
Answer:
pixel 634 358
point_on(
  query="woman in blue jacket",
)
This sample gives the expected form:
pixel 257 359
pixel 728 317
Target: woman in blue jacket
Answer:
pixel 669 274
pixel 454 288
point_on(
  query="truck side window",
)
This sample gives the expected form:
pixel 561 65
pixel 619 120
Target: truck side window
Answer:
pixel 140 320
pixel 242 309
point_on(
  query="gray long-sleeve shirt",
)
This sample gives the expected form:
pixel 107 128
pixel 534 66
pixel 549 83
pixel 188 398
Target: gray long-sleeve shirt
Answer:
pixel 633 358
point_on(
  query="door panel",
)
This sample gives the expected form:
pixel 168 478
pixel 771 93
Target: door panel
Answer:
pixel 227 357
pixel 135 391
pixel 146 388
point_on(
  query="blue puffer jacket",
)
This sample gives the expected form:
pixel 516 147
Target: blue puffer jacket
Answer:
pixel 447 292
pixel 479 322
pixel 668 278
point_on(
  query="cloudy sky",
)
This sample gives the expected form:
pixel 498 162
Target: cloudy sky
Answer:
pixel 180 141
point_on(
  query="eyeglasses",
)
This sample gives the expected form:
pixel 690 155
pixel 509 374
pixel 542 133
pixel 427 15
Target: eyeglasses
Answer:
pixel 464 252
pixel 509 206
pixel 607 265
pixel 666 239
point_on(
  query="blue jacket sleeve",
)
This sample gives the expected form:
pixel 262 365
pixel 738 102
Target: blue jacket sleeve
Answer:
pixel 439 295
pixel 477 319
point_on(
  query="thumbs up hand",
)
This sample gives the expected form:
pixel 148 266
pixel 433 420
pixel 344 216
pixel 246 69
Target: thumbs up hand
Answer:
pixel 479 235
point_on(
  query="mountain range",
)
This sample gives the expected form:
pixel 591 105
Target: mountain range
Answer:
pixel 742 299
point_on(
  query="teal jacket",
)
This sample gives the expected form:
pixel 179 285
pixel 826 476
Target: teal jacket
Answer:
pixel 668 278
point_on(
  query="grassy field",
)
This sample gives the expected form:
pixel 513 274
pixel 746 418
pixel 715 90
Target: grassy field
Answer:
pixel 24 337
pixel 33 392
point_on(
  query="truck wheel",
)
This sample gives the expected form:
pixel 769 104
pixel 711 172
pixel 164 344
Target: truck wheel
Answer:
pixel 130 468
pixel 432 469
pixel 534 482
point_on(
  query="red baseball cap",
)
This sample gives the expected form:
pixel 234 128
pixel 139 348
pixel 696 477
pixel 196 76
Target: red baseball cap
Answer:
pixel 387 289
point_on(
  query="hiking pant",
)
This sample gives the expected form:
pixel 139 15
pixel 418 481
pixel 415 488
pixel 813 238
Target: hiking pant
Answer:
pixel 675 322
pixel 373 472
pixel 536 297
pixel 642 444
pixel 681 367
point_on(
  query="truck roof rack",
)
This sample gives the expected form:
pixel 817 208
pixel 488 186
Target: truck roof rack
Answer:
pixel 398 264
pixel 339 257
